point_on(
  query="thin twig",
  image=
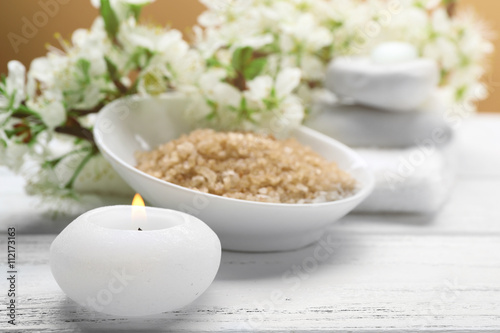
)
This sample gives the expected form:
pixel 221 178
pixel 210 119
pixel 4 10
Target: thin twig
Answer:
pixel 79 132
pixel 80 167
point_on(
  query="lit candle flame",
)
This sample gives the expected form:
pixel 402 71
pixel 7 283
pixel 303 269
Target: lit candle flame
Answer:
pixel 138 209
pixel 138 201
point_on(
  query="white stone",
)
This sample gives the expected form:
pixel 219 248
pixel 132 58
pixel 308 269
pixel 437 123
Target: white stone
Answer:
pixel 394 52
pixel 362 126
pixel 402 86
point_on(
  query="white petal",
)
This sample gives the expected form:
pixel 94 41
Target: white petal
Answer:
pixel 259 88
pixel 210 19
pixel 96 3
pixel 255 42
pixel 211 78
pixel 53 114
pixel 4 102
pixel 227 95
pixel 288 79
pixel 313 68
pixel 16 81
pixel 137 2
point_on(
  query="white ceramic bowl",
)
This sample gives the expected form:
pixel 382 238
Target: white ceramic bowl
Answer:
pixel 133 124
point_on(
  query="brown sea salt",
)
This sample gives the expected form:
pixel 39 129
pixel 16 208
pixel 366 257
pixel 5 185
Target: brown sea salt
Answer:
pixel 247 166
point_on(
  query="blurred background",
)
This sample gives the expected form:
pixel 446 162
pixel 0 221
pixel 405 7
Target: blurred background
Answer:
pixel 69 15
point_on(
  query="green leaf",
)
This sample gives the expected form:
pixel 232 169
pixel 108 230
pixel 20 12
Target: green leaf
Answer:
pixel 211 103
pixel 112 69
pixel 136 10
pixel 254 68
pixel 14 132
pixel 84 66
pixel 26 110
pixel 213 62
pixel 80 167
pixel 271 102
pixel 243 104
pixel 78 141
pixel 154 83
pixel 35 130
pixel 54 162
pixel 334 24
pixel 11 100
pixel 51 163
pixel 114 75
pixel 211 115
pixel 241 58
pixel 141 57
pixel 213 106
pixel 111 22
pixel 420 4
pixel 460 93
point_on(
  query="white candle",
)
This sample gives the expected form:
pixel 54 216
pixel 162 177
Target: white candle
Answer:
pixel 394 52
pixel 102 261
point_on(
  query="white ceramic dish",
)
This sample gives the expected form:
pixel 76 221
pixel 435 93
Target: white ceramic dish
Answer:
pixel 129 125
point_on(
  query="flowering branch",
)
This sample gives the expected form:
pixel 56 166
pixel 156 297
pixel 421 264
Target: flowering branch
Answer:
pixel 255 65
pixel 72 127
pixel 63 89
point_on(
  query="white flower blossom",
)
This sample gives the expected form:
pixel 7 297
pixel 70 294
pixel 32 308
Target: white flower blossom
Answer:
pixel 286 81
pixel 122 7
pixel 15 85
pixel 259 88
pixel 254 65
pixel 13 155
pixel 50 107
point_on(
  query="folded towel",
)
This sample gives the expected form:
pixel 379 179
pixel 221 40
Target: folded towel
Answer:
pixel 361 126
pixel 414 180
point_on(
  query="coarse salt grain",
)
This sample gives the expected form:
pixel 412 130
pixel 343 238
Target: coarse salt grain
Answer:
pixel 247 166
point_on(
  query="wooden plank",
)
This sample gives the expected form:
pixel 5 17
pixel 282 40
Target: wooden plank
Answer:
pixel 367 283
pixel 384 273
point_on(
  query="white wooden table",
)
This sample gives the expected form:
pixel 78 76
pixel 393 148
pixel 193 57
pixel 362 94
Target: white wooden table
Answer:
pixel 384 273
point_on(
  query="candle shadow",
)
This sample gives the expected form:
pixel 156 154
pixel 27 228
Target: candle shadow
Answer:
pixel 78 318
pixel 329 251
pixel 390 219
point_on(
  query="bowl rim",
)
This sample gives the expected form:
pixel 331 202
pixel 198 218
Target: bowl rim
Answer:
pixel 365 188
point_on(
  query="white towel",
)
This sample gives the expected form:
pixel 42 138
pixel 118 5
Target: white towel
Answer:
pixel 414 180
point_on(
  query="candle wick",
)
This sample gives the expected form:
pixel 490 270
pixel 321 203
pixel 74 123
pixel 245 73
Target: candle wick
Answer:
pixel 139 229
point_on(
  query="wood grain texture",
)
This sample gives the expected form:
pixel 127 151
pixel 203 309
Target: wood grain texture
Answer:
pixel 368 283
pixel 370 273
